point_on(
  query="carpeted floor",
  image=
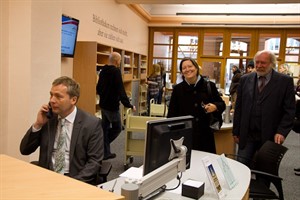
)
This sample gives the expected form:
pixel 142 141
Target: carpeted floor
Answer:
pixel 291 160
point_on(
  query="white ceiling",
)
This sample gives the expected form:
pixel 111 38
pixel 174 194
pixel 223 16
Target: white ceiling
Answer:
pixel 279 13
pixel 172 9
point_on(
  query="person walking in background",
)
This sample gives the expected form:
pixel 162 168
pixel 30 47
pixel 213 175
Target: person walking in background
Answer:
pixel 70 140
pixel 265 107
pixel 154 84
pixel 234 85
pixel 250 67
pixel 163 83
pixel 191 97
pixel 111 91
pixel 284 69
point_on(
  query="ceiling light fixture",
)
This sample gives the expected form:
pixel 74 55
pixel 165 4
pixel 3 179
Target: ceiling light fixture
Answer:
pixel 238 24
pixel 242 14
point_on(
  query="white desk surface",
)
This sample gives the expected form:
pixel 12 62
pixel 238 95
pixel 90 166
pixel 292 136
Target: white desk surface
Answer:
pixel 197 172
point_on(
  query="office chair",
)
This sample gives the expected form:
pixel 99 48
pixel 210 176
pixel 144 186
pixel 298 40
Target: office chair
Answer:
pixel 296 125
pixel 265 171
pixel 102 174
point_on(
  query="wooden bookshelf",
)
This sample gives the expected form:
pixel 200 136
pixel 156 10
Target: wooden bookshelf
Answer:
pixel 89 59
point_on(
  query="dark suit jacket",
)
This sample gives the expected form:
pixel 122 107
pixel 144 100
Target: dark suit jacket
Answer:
pixel 86 148
pixel 278 106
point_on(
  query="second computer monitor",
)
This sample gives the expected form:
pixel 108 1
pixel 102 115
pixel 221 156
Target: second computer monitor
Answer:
pixel 162 137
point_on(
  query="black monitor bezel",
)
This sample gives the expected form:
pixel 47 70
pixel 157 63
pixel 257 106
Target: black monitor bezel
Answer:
pixel 71 55
pixel 150 137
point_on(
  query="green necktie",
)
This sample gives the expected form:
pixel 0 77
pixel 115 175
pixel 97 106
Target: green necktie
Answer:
pixel 59 156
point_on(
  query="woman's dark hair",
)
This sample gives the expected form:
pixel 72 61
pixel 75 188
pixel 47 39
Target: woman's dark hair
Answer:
pixel 193 62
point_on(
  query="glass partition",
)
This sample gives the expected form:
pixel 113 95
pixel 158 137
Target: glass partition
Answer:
pixel 187 45
pixel 292 50
pixel 163 51
pixel 170 45
pixel 213 44
pixel 161 37
pixel 212 70
pixel 240 44
pixel 163 44
pixel 269 41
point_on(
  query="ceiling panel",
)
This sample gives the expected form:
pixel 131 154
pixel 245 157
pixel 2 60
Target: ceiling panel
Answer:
pixel 160 13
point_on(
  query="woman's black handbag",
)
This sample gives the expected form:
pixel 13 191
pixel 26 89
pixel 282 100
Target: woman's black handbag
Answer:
pixel 216 120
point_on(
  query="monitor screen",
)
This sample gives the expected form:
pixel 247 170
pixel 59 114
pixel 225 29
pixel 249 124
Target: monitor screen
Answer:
pixel 69 30
pixel 160 133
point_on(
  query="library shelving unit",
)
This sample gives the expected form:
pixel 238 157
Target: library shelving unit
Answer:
pixel 142 110
pixel 143 68
pixel 89 59
pixel 143 99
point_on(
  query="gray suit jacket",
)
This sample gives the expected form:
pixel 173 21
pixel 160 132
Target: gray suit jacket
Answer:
pixel 278 107
pixel 86 148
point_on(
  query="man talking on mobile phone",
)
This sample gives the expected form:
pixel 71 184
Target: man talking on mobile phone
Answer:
pixel 70 140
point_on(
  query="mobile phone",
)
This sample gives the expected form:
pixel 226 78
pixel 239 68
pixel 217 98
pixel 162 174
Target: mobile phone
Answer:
pixel 49 114
pixel 203 106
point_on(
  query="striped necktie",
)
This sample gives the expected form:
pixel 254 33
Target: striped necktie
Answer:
pixel 262 84
pixel 59 156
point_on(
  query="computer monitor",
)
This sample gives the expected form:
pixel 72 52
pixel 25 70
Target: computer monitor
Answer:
pixel 69 31
pixel 160 137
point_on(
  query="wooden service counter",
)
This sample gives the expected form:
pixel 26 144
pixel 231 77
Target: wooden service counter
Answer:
pixel 224 140
pixel 22 180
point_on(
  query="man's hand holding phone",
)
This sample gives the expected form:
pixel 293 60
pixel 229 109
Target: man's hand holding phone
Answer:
pixel 42 116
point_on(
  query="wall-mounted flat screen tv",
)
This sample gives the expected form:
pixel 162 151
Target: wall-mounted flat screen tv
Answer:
pixel 69 30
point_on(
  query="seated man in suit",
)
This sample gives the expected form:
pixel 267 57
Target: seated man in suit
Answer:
pixel 70 140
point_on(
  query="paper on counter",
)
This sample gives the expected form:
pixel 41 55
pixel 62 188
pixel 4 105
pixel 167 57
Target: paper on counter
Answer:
pixel 133 173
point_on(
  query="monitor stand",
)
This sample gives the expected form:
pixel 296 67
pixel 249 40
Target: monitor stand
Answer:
pixel 155 180
pixel 154 193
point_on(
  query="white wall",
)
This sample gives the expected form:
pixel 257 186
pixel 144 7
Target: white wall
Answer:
pixel 31 61
pixel 117 15
pixel 30 54
pixel 135 31
pixel 3 74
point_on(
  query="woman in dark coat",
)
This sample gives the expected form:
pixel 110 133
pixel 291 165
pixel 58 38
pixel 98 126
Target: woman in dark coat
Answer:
pixel 187 98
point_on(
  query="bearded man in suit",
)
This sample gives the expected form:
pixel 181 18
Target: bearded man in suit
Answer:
pixel 265 107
